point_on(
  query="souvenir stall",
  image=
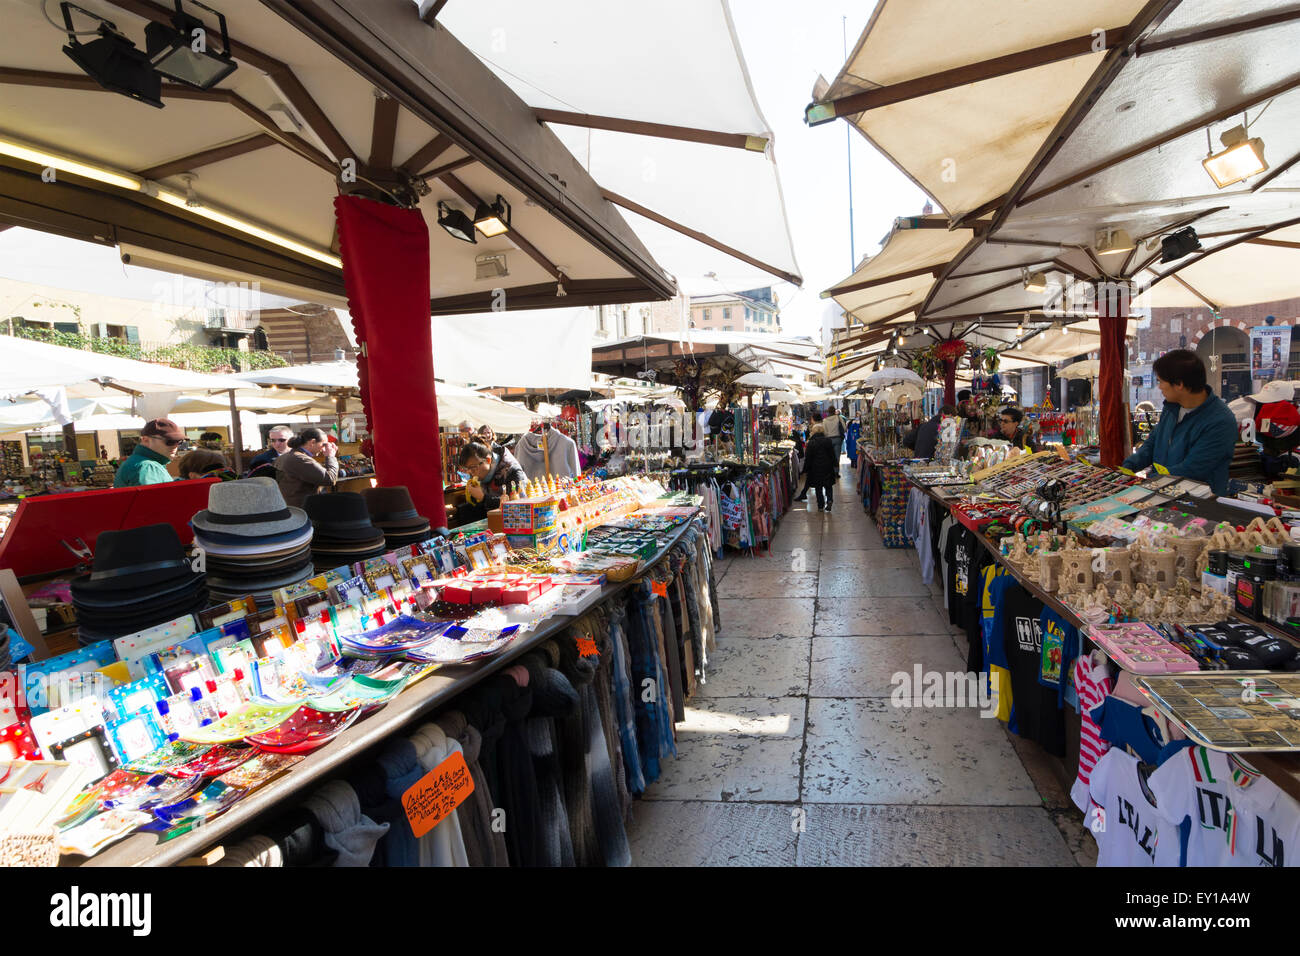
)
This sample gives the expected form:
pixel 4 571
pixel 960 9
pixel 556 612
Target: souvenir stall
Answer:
pixel 252 702
pixel 1142 599
pixel 746 480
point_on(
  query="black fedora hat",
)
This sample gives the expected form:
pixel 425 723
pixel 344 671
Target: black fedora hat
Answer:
pixel 120 600
pixel 225 567
pixel 135 558
pixel 345 544
pixel 392 508
pixel 267 582
pixel 248 508
pixel 396 539
pixel 119 626
pixel 341 516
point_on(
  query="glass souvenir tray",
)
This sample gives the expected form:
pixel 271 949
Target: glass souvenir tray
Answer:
pixel 307 728
pixel 254 719
pixel 215 762
pixel 461 645
pixel 1231 711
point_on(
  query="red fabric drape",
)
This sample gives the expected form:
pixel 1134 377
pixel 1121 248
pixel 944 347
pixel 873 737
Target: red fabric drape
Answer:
pixel 385 253
pixel 1113 424
pixel 950 381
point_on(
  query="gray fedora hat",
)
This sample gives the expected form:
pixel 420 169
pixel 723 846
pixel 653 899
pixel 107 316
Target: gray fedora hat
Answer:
pixel 250 508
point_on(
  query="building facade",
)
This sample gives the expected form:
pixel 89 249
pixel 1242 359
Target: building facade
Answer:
pixel 755 310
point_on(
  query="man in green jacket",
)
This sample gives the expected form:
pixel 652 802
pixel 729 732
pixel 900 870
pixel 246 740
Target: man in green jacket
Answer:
pixel 147 464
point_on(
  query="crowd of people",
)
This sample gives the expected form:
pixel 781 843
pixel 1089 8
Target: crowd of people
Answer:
pixel 301 464
pixel 306 463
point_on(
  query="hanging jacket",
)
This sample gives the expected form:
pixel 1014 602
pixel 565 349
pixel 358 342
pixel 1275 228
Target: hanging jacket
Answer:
pixel 819 462
pixel 561 450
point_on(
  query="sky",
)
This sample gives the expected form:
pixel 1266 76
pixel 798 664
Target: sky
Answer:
pixel 785 48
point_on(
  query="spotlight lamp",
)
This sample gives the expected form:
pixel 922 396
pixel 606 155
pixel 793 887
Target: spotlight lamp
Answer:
pixel 1111 242
pixel 1035 282
pixel 1178 244
pixel 111 60
pixel 183 52
pixel 494 219
pixel 456 223
pixel 1240 158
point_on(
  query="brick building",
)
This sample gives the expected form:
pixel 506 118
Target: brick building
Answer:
pixel 1222 341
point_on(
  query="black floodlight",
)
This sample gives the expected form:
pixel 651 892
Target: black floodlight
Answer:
pixel 456 223
pixel 111 60
pixel 183 51
pixel 1179 244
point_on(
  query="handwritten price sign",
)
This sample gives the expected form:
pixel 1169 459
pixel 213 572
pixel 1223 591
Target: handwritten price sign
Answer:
pixel 435 795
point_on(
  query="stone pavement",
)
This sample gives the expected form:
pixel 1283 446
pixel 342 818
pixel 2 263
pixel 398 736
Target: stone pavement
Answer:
pixel 792 753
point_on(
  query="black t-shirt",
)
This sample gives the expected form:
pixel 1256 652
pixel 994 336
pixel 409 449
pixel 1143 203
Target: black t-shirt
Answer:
pixel 973 609
pixel 1038 714
pixel 962 548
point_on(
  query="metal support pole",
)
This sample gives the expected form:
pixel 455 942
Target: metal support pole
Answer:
pixel 236 434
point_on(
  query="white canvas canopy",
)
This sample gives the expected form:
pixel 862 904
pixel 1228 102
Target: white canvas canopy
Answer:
pixel 26 365
pixel 455 403
pixel 661 112
pixel 1046 131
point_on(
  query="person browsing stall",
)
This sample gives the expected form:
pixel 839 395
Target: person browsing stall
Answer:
pixel 821 467
pixel 927 436
pixel 1196 433
pixel 147 463
pixel 298 471
pixel 205 463
pixel 1011 426
pixel 264 462
pixel 491 473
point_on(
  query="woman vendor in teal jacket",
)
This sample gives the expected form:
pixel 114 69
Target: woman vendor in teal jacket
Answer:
pixel 1196 433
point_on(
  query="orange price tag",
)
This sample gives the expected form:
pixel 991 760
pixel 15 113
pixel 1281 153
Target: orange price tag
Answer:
pixel 435 795
pixel 660 588
pixel 586 647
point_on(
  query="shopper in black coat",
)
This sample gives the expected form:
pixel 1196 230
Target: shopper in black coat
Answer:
pixel 821 467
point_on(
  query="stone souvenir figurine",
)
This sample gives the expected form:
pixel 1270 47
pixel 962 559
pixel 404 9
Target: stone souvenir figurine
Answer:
pixel 1076 569
pixel 1158 567
pixel 1150 611
pixel 1049 569
pixel 1019 555
pixel 1117 567
pixel 1187 551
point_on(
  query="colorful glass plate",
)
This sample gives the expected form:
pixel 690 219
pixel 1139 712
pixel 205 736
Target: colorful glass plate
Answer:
pixel 254 719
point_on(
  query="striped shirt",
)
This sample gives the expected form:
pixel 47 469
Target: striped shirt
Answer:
pixel 1093 684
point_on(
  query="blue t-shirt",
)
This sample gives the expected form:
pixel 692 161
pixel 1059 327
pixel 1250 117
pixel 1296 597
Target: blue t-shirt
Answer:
pixel 995 654
pixel 1060 648
pixel 1123 725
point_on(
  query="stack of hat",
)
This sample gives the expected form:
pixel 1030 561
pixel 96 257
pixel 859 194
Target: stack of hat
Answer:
pixel 343 533
pixel 252 542
pixel 140 578
pixel 393 512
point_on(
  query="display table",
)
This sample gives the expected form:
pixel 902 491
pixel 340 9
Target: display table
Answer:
pixel 884 489
pixel 412 704
pixel 1282 768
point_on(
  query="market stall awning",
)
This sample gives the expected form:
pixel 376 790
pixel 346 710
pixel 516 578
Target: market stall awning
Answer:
pixel 525 349
pixel 26 365
pixel 327 96
pixel 1063 144
pixel 671 129
pixel 455 403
